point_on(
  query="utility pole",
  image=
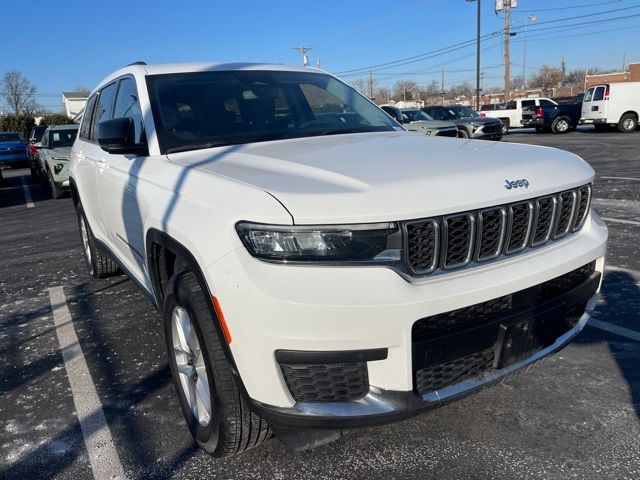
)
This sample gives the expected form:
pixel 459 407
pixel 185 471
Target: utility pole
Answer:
pixel 624 61
pixel 564 69
pixel 370 85
pixel 303 52
pixel 507 53
pixel 318 63
pixel 442 91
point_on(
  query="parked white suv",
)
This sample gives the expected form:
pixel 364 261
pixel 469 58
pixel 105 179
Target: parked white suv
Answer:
pixel 316 266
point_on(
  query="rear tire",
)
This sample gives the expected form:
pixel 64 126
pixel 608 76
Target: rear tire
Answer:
pixel 463 133
pixel 99 264
pixel 628 123
pixel 196 354
pixel 505 126
pixel 561 125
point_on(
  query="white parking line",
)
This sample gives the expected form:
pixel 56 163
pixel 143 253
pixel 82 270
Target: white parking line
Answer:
pixel 27 193
pixel 103 456
pixel 622 178
pixel 617 220
pixel 611 328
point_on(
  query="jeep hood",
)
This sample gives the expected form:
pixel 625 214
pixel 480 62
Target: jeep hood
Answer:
pixel 374 177
pixel 59 153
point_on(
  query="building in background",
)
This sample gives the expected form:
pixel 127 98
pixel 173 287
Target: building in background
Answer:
pixel 632 74
pixel 74 103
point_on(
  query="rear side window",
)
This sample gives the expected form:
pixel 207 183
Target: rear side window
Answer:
pixel 510 105
pixel 547 103
pixel 599 94
pixel 128 105
pixel 104 108
pixel 528 103
pixel 85 126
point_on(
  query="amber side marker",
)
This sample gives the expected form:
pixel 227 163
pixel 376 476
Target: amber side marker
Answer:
pixel 223 322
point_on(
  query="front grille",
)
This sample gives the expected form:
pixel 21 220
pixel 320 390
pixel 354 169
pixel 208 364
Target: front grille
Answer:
pixel 450 347
pixel 13 151
pixel 477 236
pixel 449 132
pixel 455 371
pixel 326 382
pixel 492 129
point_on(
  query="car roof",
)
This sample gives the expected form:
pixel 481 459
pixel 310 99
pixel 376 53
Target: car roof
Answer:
pixel 166 68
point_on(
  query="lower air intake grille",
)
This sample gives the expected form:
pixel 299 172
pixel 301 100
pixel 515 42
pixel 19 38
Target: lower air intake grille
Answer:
pixel 449 373
pixel 327 382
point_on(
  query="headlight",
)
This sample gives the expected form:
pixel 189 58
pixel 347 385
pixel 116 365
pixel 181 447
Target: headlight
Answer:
pixel 379 242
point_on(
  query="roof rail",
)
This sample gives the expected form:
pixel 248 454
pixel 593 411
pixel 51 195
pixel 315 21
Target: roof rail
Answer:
pixel 136 63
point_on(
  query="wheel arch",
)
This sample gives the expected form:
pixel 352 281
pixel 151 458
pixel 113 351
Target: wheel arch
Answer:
pixel 73 189
pixel 632 112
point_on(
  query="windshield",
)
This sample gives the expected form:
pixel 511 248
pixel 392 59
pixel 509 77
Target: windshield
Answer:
pixel 417 116
pixel 589 95
pixel 205 109
pixel 9 137
pixel 461 112
pixel 37 133
pixel 62 138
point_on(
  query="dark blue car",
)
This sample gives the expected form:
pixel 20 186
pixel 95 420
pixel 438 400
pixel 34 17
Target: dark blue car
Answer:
pixel 13 150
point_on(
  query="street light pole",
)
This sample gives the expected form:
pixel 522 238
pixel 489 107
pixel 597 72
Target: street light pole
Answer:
pixel 477 53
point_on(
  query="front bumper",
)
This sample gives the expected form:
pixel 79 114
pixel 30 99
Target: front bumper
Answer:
pixel 19 159
pixel 487 132
pixel 272 307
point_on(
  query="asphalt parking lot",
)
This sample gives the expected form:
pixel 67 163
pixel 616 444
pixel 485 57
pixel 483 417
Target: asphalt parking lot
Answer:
pixel 575 415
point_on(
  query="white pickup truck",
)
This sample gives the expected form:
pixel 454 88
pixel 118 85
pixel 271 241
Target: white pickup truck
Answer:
pixel 511 112
pixel 318 268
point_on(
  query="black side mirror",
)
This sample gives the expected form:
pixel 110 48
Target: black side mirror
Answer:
pixel 118 136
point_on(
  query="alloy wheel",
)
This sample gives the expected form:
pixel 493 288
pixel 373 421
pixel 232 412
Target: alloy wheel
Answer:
pixel 194 380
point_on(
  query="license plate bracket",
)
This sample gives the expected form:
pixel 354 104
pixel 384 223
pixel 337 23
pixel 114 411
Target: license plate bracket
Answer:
pixel 517 342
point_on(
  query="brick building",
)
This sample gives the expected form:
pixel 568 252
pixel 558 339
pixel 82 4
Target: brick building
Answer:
pixel 631 75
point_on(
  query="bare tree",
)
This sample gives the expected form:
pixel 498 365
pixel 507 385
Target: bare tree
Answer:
pixel 547 78
pixel 405 90
pixel 517 83
pixel 18 93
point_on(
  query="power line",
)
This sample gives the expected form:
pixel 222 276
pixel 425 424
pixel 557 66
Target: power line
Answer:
pixel 464 44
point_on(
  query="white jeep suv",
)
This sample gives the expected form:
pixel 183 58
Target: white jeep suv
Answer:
pixel 316 266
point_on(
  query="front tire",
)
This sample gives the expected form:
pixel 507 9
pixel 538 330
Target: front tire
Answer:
pixel 54 189
pixel 462 133
pixel 561 125
pixel 99 265
pixel 628 123
pixel 216 414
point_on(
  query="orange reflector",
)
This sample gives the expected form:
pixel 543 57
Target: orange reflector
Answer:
pixel 223 322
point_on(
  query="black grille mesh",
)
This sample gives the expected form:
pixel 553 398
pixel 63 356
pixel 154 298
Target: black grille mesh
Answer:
pixel 459 238
pixel 491 232
pixel 327 382
pixel 460 319
pixel 426 238
pixel 583 204
pixel 421 243
pixel 448 373
pixel 564 213
pixel 542 229
pixel 520 217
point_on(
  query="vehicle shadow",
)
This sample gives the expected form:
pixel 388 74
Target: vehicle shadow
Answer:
pixel 12 192
pixel 620 306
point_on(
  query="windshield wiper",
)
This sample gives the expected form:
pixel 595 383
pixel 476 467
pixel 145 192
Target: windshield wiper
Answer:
pixel 338 132
pixel 185 148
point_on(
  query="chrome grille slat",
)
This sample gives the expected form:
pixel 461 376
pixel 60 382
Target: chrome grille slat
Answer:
pixel 492 226
pixel 565 213
pixel 453 241
pixel 519 228
pixel 458 237
pixel 584 201
pixel 544 220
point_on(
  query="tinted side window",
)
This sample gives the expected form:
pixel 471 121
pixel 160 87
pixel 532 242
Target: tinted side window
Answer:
pixel 547 103
pixel 511 105
pixel 85 126
pixel 528 103
pixel 128 105
pixel 104 108
pixel 599 94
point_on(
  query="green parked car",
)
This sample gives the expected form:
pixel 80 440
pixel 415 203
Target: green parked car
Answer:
pixel 53 156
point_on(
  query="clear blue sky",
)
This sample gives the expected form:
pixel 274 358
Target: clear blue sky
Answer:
pixel 89 39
